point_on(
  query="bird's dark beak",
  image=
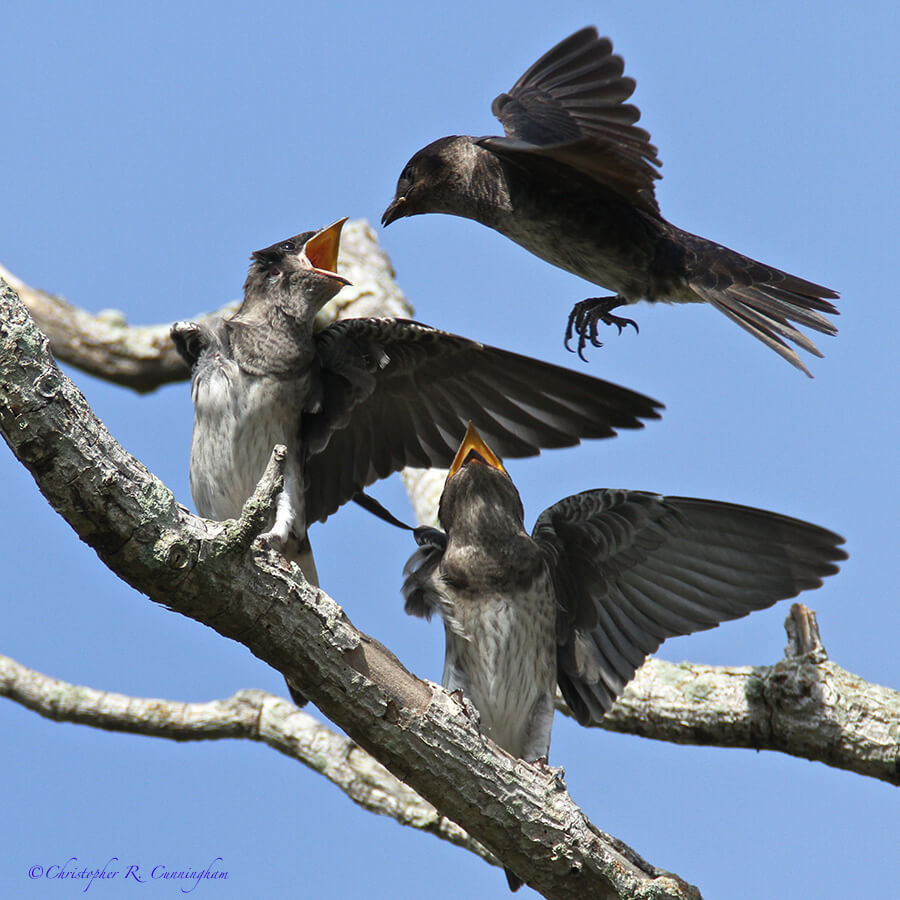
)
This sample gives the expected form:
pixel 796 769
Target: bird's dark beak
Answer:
pixel 321 251
pixel 474 449
pixel 396 210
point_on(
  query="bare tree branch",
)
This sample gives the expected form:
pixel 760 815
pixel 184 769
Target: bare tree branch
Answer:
pixel 103 344
pixel 211 572
pixel 804 705
pixel 250 714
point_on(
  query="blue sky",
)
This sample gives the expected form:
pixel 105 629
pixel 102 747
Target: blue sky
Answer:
pixel 148 149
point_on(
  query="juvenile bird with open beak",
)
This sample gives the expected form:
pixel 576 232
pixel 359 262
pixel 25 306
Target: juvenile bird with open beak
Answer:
pixel 253 379
pixel 604 577
pixel 572 181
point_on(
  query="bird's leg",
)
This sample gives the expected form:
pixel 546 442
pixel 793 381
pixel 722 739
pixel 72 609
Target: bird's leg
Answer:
pixel 280 531
pixel 285 512
pixel 584 318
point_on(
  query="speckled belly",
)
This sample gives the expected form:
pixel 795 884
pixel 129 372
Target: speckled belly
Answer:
pixel 509 662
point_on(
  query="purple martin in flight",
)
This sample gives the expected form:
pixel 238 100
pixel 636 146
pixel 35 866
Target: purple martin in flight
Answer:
pixel 572 181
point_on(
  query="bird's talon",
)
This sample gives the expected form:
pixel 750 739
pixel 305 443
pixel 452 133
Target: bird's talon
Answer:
pixel 568 335
pixel 620 322
pixel 557 774
pixel 469 709
pixel 271 540
pixel 585 318
pixel 581 345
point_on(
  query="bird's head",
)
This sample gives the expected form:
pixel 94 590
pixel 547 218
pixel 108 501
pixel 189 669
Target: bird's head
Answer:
pixel 299 274
pixel 436 180
pixel 479 496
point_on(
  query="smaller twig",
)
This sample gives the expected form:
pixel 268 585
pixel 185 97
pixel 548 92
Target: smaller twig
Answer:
pixel 803 634
pixel 257 509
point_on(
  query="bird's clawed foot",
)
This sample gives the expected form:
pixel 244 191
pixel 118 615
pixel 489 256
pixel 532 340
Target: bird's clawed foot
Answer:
pixel 556 773
pixel 275 539
pixel 468 707
pixel 585 316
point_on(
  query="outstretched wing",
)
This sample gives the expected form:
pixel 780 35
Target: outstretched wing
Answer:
pixel 633 568
pixel 394 393
pixel 569 107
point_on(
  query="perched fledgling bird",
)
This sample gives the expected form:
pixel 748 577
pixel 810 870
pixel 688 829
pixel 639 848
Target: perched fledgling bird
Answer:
pixel 572 182
pixel 603 579
pixel 361 398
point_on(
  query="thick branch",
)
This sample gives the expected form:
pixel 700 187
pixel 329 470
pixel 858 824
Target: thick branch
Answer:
pixel 200 569
pixel 143 357
pixel 250 714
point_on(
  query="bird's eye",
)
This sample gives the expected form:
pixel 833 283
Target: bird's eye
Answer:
pixel 409 174
pixel 289 247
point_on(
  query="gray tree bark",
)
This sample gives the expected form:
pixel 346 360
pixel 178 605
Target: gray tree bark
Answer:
pixel 251 715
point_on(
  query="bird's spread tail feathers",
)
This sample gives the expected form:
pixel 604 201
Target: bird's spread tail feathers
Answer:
pixel 767 302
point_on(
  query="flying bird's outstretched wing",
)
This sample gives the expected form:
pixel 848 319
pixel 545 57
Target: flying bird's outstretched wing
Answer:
pixel 394 393
pixel 569 107
pixel 633 568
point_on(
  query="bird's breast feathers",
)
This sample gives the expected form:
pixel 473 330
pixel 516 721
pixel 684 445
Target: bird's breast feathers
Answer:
pixel 592 253
pixel 238 419
pixel 502 646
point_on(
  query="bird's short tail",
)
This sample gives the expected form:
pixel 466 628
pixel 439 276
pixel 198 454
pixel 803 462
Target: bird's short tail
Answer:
pixel 767 302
